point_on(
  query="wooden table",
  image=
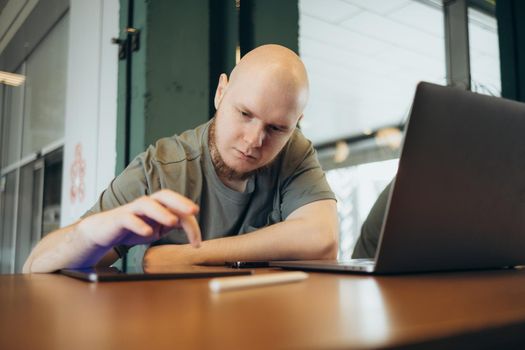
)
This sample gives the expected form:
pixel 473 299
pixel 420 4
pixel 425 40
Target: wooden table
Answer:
pixel 429 311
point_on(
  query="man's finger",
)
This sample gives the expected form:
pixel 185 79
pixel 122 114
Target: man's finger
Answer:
pixel 134 224
pixel 191 227
pixel 152 209
pixel 176 202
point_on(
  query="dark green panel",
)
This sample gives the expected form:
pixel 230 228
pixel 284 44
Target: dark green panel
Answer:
pixel 224 38
pixel 511 32
pixel 177 67
pixel 170 72
pixel 121 96
pixel 269 22
pixel 138 81
pixel 138 86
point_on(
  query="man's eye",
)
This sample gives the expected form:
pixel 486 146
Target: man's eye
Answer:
pixel 274 128
pixel 245 114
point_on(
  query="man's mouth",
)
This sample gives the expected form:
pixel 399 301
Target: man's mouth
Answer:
pixel 246 155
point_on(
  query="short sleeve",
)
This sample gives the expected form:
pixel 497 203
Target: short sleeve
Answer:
pixel 305 181
pixel 129 185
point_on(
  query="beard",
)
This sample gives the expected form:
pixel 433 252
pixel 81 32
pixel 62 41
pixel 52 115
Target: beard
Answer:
pixel 221 168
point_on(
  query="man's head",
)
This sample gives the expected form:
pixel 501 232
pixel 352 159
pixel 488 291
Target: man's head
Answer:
pixel 257 110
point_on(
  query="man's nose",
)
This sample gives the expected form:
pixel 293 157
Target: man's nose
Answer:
pixel 254 135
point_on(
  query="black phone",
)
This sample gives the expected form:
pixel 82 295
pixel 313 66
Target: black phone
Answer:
pixel 247 264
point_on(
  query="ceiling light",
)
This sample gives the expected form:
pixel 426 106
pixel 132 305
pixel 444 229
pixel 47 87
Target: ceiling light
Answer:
pixel 11 78
pixel 391 137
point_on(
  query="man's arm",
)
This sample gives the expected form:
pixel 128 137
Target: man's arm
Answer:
pixel 368 240
pixel 310 232
pixel 86 242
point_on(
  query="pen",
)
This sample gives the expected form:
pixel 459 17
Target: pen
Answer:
pixel 230 283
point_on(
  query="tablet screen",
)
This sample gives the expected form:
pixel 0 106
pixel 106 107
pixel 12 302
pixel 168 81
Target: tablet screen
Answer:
pixel 102 274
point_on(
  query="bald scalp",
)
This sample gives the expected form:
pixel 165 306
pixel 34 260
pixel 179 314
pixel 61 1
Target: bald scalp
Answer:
pixel 277 65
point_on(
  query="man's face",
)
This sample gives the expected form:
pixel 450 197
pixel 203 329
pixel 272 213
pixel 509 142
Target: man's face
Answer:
pixel 253 123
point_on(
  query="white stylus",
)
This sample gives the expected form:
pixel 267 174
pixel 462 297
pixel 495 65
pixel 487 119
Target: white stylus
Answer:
pixel 229 283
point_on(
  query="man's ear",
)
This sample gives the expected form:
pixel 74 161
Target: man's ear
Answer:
pixel 221 89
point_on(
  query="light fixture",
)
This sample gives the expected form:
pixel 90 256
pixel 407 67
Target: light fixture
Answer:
pixel 11 78
pixel 237 54
pixel 368 131
pixel 342 150
pixel 391 137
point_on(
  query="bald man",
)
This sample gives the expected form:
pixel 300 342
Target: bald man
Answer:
pixel 245 186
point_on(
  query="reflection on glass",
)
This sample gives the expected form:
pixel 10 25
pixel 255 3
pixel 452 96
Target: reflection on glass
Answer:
pixel 30 186
pixel 7 224
pixel 365 59
pixel 357 189
pixel 52 192
pixel 484 53
pixel 45 90
pixel 12 79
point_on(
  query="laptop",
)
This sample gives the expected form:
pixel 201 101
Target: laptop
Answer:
pixel 458 199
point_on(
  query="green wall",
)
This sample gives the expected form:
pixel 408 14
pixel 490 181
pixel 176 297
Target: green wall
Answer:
pixel 177 67
pixel 269 22
pixel 170 72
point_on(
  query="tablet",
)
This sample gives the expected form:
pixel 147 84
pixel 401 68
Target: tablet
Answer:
pixel 103 274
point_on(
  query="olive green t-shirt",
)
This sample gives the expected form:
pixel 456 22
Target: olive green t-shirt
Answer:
pixel 183 164
pixel 366 245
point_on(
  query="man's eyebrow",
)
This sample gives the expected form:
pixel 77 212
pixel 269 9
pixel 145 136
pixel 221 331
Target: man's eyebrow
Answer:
pixel 246 110
pixel 281 127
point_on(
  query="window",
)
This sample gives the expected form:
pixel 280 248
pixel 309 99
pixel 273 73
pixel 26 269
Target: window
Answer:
pixel 357 188
pixel 32 130
pixel 45 86
pixel 12 123
pixel 484 53
pixel 364 60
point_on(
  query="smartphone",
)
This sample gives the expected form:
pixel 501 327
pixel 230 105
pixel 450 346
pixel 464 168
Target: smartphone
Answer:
pixel 246 264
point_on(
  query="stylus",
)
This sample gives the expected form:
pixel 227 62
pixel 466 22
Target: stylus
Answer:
pixel 230 283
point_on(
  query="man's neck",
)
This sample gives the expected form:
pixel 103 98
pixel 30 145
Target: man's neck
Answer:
pixel 236 185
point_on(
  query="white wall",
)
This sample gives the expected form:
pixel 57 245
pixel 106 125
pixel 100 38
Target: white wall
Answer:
pixel 91 105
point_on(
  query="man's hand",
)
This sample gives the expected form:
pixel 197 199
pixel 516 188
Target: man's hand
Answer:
pixel 142 221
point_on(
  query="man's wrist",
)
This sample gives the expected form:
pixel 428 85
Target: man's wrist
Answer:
pixel 82 236
pixel 194 255
pixel 173 254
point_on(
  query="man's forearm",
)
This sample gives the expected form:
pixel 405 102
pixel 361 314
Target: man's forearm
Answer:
pixel 287 240
pixel 293 239
pixel 91 239
pixel 63 248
